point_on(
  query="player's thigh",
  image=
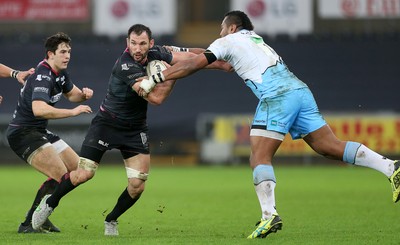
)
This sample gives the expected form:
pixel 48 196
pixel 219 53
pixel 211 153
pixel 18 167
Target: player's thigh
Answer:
pixel 70 158
pixel 135 149
pixel 139 162
pixel 278 113
pixel 308 118
pixel 34 145
pixel 263 149
pixel 47 161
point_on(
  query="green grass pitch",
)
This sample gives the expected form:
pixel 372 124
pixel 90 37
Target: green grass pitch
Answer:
pixel 211 205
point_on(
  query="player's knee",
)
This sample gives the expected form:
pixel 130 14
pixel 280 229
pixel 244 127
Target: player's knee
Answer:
pixel 80 176
pixel 87 175
pixel 136 181
pixel 86 170
pixel 136 174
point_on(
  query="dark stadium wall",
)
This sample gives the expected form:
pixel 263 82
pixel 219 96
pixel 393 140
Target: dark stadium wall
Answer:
pixel 345 76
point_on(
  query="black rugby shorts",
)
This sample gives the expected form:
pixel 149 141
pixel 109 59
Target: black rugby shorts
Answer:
pixel 25 140
pixel 107 133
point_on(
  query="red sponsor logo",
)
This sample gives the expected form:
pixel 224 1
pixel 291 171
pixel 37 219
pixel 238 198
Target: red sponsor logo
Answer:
pixel 74 10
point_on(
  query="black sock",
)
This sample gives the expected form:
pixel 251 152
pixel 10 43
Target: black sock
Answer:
pixel 125 201
pixel 47 187
pixel 61 190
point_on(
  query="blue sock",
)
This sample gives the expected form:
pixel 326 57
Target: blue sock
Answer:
pixel 262 173
pixel 350 151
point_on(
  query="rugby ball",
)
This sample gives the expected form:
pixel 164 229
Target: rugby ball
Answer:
pixel 155 66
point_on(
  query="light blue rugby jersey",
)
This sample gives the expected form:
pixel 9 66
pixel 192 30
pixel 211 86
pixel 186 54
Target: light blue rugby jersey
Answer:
pixel 262 69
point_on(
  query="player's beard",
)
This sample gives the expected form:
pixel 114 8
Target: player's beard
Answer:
pixel 139 57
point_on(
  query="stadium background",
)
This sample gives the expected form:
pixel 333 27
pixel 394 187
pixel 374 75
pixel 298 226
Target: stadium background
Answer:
pixel 345 50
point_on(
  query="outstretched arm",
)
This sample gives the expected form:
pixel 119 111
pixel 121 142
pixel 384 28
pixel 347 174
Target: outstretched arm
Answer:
pixel 182 49
pixel 186 67
pixel 6 71
pixel 192 52
pixel 179 70
pixel 218 64
pixel 42 110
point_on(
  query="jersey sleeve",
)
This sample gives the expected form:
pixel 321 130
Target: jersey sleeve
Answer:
pixel 41 88
pixel 220 48
pixel 68 84
pixel 158 52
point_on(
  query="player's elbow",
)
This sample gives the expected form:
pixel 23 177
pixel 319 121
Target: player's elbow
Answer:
pixel 39 113
pixel 156 102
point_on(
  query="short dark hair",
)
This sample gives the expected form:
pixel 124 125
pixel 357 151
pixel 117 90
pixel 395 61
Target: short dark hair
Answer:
pixel 52 42
pixel 139 29
pixel 240 19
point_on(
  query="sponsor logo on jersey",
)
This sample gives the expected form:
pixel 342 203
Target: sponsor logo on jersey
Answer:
pixel 144 138
pixel 62 80
pixel 26 151
pixel 55 98
pixel 260 121
pixel 100 142
pixel 136 75
pixel 41 77
pixel 124 67
pixel 41 90
pixel 277 123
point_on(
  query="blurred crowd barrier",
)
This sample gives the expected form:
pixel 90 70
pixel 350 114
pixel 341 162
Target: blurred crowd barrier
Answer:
pixel 225 138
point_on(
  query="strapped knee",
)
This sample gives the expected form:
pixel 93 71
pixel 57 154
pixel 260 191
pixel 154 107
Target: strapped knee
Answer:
pixel 87 164
pixel 133 173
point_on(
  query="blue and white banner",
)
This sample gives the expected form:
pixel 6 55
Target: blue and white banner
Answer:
pixel 278 16
pixel 114 17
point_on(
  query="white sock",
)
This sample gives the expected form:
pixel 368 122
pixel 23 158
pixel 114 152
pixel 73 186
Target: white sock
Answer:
pixel 266 196
pixel 368 158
